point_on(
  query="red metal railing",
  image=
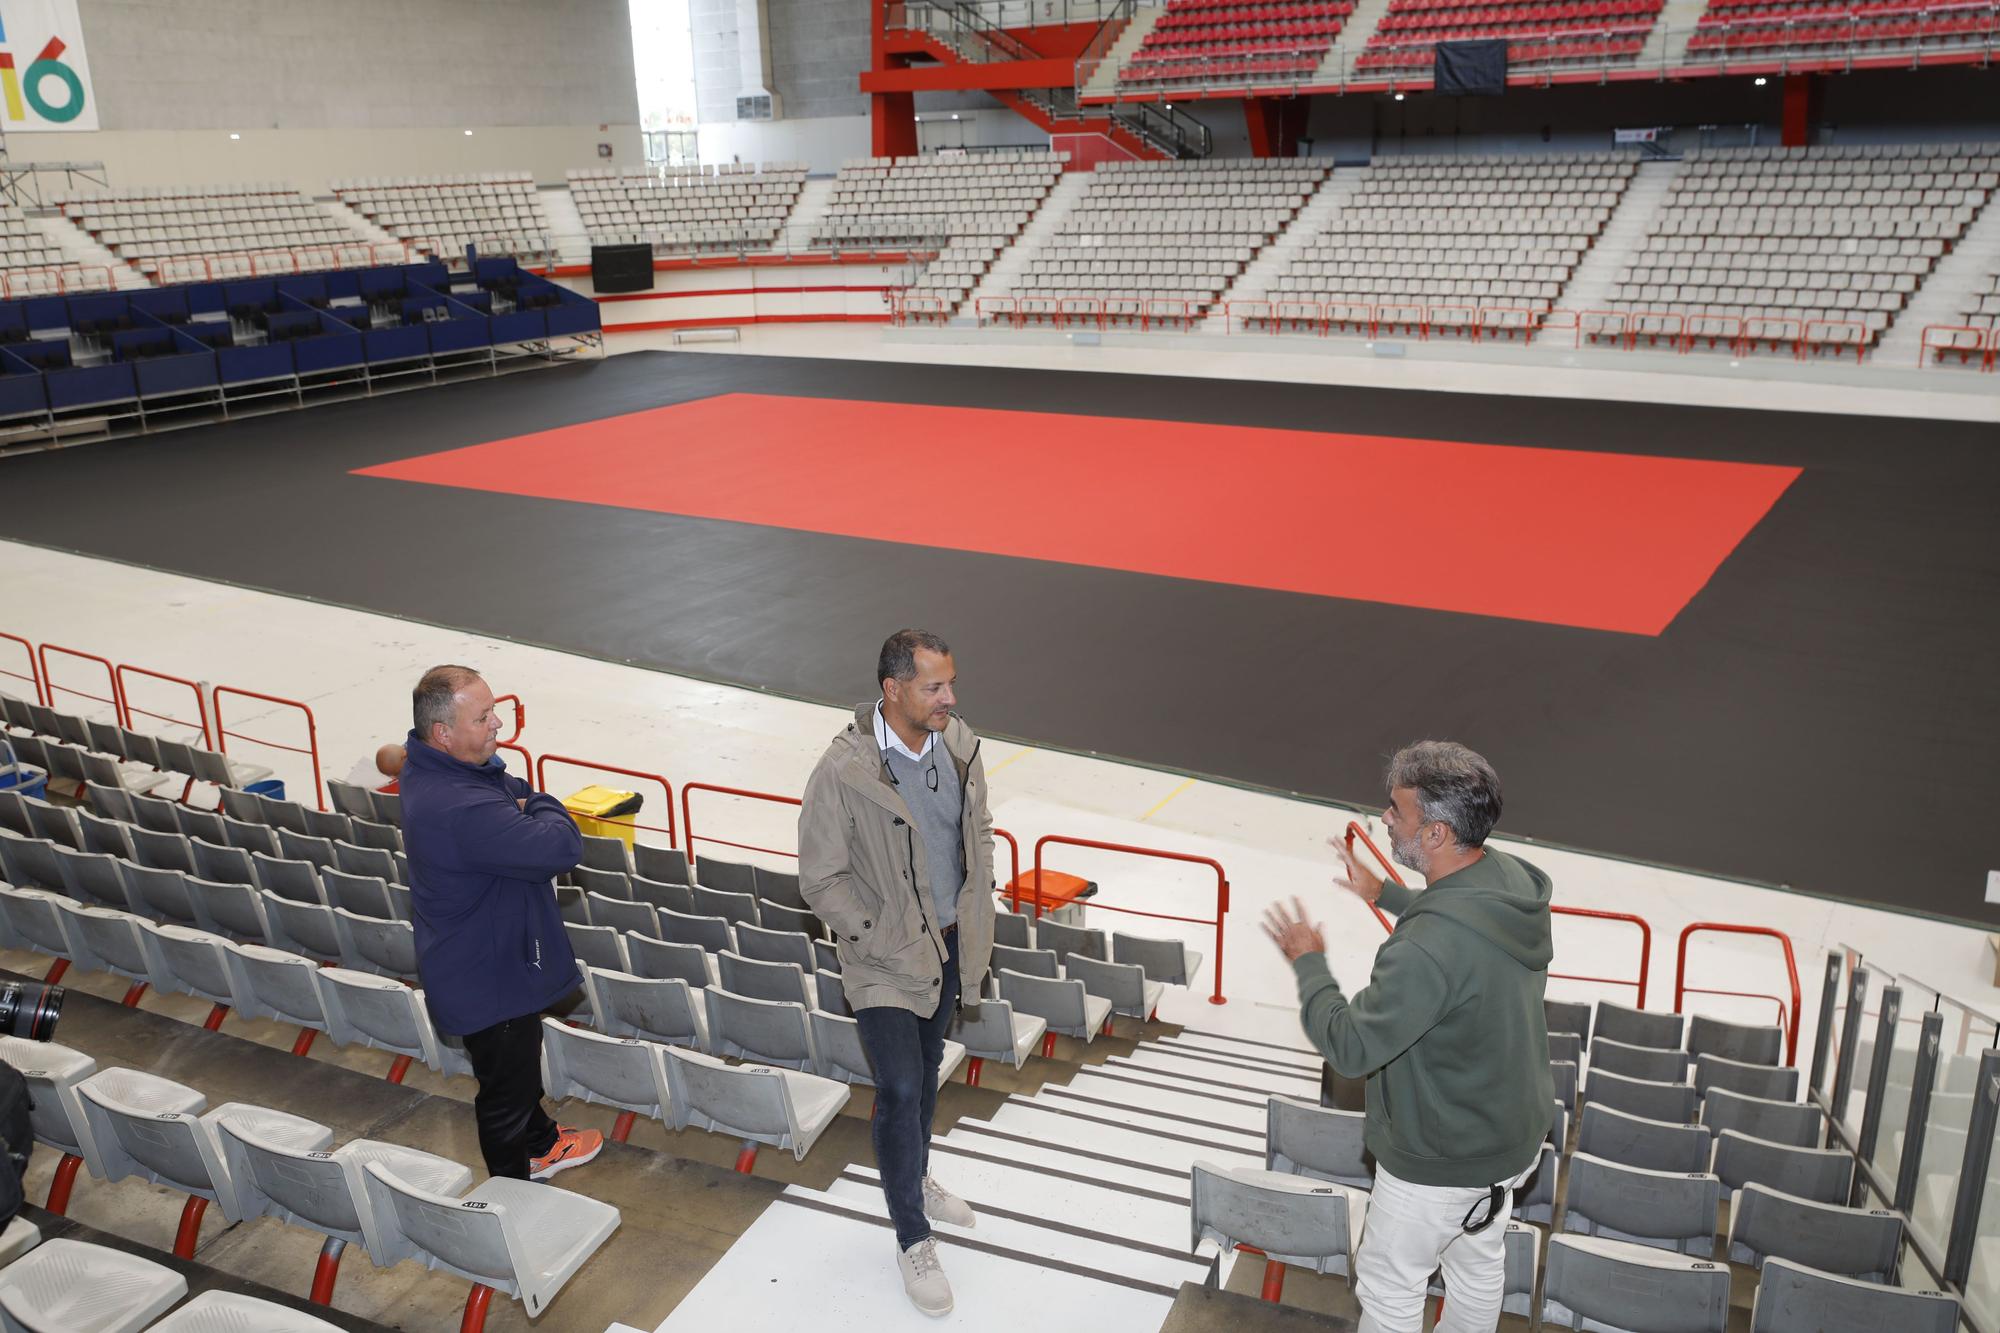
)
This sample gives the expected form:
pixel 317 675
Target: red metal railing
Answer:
pixel 310 749
pixel 1838 333
pixel 592 765
pixel 1221 890
pixel 1354 830
pixel 199 722
pixel 34 676
pixel 237 264
pixel 997 310
pixel 1645 949
pixel 57 281
pixel 520 718
pixel 49 686
pixel 1787 1018
pixel 1013 855
pixel 687 815
pixel 527 760
pixel 1978 346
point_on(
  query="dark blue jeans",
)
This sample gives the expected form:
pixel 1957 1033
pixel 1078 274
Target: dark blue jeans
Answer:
pixel 905 1050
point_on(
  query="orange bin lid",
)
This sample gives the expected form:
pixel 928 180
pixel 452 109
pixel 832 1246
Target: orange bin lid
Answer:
pixel 1058 890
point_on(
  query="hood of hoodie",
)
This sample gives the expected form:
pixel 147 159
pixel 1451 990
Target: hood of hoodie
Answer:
pixel 1499 897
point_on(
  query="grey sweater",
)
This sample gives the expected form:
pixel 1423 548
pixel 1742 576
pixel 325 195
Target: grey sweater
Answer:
pixel 937 814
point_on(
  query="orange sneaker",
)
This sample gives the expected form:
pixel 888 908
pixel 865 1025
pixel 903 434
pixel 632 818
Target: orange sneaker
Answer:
pixel 573 1147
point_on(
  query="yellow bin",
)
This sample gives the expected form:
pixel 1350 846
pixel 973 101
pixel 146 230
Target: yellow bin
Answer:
pixel 603 812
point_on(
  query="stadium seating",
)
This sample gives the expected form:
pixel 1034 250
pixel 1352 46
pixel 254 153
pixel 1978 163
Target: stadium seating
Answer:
pixel 1835 27
pixel 32 264
pixel 970 207
pixel 1593 32
pixel 1812 248
pixel 1978 341
pixel 721 208
pixel 187 233
pixel 498 212
pixel 1215 41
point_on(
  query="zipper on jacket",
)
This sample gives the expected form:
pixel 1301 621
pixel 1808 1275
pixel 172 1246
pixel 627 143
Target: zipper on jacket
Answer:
pixel 910 844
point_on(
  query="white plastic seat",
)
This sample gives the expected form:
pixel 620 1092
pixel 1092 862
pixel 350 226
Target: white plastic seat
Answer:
pixel 662 1010
pixel 1593 1282
pixel 1067 1007
pixel 105 940
pixel 186 961
pixel 518 1237
pixel 1304 1139
pixel 784 1108
pixel 624 1072
pixel 76 1287
pixel 1305 1223
pixel 270 983
pixel 365 1009
pixel 306 929
pixel 233 1312
pixel 370 944
pixel 1168 961
pixel 840 1054
pixel 54 1110
pixel 769 1031
pixel 991 1030
pixel 1125 985
pixel 1792 1298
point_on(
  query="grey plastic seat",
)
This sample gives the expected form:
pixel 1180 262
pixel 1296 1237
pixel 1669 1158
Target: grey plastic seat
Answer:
pixel 288 878
pixel 1672 1102
pixel 103 835
pixel 92 877
pixel 1637 1027
pixel 1594 1282
pixel 203 824
pixel 841 1056
pixel 1863 1243
pixel 570 905
pixel 1169 962
pixel 193 962
pixel 739 908
pixel 1070 1010
pixel 367 1009
pixel 13 805
pixel 222 865
pixel 1062 940
pixel 1631 1140
pixel 111 802
pixel 519 1237
pixel 162 851
pixel 1535 1199
pixel 153 814
pixel 56 823
pixel 780 887
pixel 771 1032
pixel 370 944
pixel 232 1312
pixel 368 833
pixel 271 983
pixel 662 960
pixel 349 799
pixel 1773 1084
pixel 1565 1048
pixel 1028 962
pixel 331 825
pixel 711 933
pixel 102 939
pixel 598 946
pixel 357 860
pixel 624 1072
pixel 1673 1210
pixel 601 853
pixel 826 956
pixel 992 1030
pixel 1563 1075
pixel 388 807
pixel 664 896
pixel 1559 1126
pixel 160 894
pixel 1304 1223
pixel 1824 1174
pixel 775 946
pixel 399 902
pixel 52 1073
pixel 830 994
pixel 307 929
pixel 284 816
pixel 1124 984
pixel 322 1191
pixel 1792 1298
pixel 664 865
pixel 729 876
pixel 1305 1139
pixel 244 806
pixel 72 1286
pixel 306 847
pixel 782 982
pixel 1801 1126
pixel 33 919
pixel 235 910
pixel 784 1108
pixel 30 863
pixel 1744 1042
pixel 1011 929
pixel 785 919
pixel 250 837
pixel 656 1009
pixel 219 770
pixel 363 895
pixel 622 914
pixel 1644 1062
pixel 605 883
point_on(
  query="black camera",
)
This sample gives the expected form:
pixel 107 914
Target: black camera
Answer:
pixel 30 1009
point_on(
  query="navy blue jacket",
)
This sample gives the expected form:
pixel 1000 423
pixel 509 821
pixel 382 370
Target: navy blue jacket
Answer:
pixel 490 942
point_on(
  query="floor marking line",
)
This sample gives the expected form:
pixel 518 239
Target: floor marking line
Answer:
pixel 958 1150
pixel 980 1127
pixel 1099 1072
pixel 1135 1129
pixel 1265 1061
pixel 987 1247
pixel 1163 800
pixel 1231 1064
pixel 1143 1110
pixel 1186 1078
pixel 1065 1228
pixel 1015 757
pixel 1249 1041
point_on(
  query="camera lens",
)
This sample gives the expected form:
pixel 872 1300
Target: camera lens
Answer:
pixel 30 1009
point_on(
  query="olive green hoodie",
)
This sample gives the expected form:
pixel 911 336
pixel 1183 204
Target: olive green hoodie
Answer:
pixel 1449 1032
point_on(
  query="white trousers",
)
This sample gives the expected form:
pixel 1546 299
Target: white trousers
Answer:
pixel 1413 1231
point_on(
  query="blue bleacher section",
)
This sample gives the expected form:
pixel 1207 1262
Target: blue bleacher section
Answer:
pixel 170 349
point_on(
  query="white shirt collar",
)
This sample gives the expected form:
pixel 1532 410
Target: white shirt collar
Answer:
pixel 886 737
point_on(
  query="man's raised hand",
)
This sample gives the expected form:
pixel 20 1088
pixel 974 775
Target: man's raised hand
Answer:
pixel 1359 881
pixel 1293 934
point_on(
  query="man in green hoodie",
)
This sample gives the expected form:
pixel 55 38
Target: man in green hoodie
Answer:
pixel 1450 1034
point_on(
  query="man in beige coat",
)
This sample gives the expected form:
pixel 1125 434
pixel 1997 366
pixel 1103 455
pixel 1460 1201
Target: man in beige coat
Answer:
pixel 896 857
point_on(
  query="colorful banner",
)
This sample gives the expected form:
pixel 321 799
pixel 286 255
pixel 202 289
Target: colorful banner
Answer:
pixel 44 79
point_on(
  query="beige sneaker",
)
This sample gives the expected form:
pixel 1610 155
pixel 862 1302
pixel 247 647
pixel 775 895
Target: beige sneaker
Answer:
pixel 923 1277
pixel 941 1205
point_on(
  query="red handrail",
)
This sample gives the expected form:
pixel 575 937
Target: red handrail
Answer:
pixel 687 815
pixel 1221 890
pixel 520 719
pixel 542 782
pixel 1645 949
pixel 527 760
pixel 1787 1019
pixel 34 676
pixel 1014 855
pixel 200 703
pixel 223 733
pixel 1354 830
pixel 49 686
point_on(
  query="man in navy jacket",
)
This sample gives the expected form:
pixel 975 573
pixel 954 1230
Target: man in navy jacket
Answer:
pixel 491 950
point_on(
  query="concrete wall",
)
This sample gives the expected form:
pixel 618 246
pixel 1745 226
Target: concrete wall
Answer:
pixel 818 50
pixel 362 87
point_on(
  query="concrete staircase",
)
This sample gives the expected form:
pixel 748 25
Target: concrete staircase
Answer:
pixel 1589 288
pixel 1000 280
pixel 354 222
pixel 1941 298
pixel 1104 79
pixel 567 234
pixel 79 247
pixel 1354 35
pixel 815 198
pixel 1335 193
pixel 1667 42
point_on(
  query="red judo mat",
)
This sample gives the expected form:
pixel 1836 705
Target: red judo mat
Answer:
pixel 1594 540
